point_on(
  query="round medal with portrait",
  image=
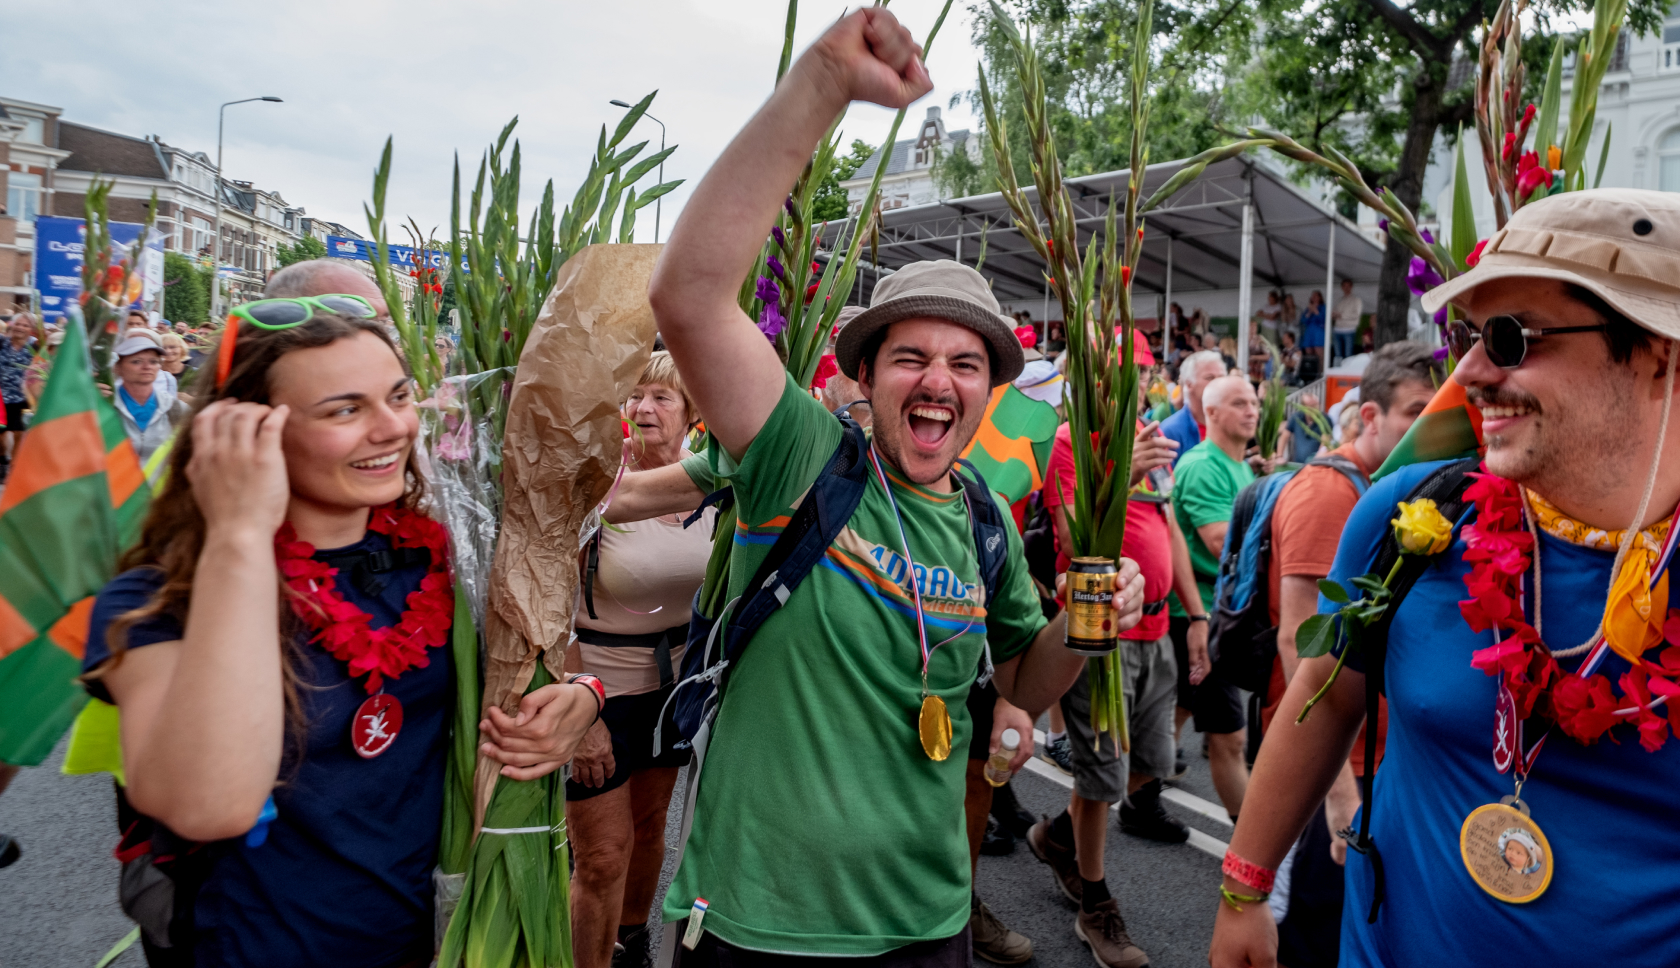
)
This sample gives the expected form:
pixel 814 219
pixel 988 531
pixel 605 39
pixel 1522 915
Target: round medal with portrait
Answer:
pixel 1506 852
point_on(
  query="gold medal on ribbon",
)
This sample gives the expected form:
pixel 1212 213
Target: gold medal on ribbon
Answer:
pixel 935 727
pixel 1506 853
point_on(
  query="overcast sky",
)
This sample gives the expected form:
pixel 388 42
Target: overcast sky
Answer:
pixel 440 77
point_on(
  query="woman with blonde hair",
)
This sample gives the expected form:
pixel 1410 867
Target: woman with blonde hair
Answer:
pixel 639 579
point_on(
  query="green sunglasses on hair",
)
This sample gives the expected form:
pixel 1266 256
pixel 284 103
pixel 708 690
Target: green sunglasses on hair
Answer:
pixel 286 313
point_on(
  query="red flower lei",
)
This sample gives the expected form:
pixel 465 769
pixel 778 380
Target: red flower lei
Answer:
pixel 342 628
pixel 1498 550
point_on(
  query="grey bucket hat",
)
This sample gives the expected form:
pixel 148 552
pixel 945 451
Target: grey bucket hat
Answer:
pixel 940 289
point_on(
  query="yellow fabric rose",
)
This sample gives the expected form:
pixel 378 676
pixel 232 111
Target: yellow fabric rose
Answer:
pixel 1421 528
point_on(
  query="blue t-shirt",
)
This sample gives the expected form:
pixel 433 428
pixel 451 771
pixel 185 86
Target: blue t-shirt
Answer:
pixel 345 875
pixel 1182 427
pixel 1608 809
pixel 1312 327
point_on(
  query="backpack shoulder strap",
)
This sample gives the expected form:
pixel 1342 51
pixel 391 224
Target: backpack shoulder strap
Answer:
pixel 991 541
pixel 1349 470
pixel 828 505
pixel 592 565
pixel 1445 486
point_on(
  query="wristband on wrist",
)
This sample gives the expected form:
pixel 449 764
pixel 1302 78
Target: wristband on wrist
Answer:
pixel 1198 618
pixel 1248 874
pixel 595 686
pixel 1238 900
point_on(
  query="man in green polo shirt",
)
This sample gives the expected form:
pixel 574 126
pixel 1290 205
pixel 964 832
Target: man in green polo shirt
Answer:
pixel 1205 486
pixel 822 829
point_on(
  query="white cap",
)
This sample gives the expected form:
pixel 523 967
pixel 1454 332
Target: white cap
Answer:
pixel 136 344
pixel 1011 739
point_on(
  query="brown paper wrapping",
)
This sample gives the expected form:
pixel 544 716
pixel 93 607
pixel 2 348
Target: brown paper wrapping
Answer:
pixel 560 453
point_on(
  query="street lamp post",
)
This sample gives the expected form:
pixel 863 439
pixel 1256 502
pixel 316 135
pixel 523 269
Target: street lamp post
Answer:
pixel 216 245
pixel 658 203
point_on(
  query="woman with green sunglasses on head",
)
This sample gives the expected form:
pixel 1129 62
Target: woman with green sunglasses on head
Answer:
pixel 275 642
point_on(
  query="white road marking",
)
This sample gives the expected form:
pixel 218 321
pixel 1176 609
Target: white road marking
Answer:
pixel 1211 846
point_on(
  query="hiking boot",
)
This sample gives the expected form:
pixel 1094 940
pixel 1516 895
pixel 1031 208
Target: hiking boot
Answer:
pixel 9 851
pixel 632 951
pixel 1060 754
pixel 1104 930
pixel 998 841
pixel 1060 857
pixel 1145 817
pixel 994 942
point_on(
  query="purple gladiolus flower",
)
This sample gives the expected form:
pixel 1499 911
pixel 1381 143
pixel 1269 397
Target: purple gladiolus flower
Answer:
pixel 792 212
pixel 771 322
pixel 781 239
pixel 1428 238
pixel 1421 277
pixel 1441 319
pixel 775 265
pixel 1382 224
pixel 767 290
pixel 1440 354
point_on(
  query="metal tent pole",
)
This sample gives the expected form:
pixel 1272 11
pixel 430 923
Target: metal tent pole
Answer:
pixel 1329 289
pixel 1166 313
pixel 1245 285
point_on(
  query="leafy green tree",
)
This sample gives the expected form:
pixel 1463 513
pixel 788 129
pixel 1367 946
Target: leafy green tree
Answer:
pixel 1372 78
pixel 306 248
pixel 830 197
pixel 186 289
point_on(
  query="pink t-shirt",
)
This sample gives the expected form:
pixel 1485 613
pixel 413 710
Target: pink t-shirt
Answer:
pixel 1148 542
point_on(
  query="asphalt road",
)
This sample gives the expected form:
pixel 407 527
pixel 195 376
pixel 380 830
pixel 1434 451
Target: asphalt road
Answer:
pixel 58 906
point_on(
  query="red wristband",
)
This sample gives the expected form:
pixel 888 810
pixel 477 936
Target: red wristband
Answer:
pixel 594 683
pixel 1248 874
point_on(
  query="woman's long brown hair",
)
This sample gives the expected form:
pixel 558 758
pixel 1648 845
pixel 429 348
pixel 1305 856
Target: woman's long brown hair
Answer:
pixel 172 537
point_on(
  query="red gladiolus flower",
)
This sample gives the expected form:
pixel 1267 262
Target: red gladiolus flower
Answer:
pixel 1671 628
pixel 811 292
pixel 1126 274
pixel 826 367
pixel 1475 255
pixel 1532 178
pixel 1528 115
pixel 1510 145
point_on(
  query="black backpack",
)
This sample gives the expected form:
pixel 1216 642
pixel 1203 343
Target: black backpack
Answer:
pixel 1242 641
pixel 715 644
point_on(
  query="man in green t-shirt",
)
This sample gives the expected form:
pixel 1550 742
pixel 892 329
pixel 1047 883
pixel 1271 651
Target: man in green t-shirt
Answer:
pixel 1205 486
pixel 821 828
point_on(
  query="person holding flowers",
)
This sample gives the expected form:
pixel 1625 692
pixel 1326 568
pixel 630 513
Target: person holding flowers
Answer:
pixel 274 642
pixel 829 824
pixel 1530 668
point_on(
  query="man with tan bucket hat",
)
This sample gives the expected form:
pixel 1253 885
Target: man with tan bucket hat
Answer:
pixel 1529 670
pixel 829 821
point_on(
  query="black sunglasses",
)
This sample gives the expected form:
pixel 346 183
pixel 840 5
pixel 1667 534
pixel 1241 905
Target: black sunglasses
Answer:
pixel 1504 338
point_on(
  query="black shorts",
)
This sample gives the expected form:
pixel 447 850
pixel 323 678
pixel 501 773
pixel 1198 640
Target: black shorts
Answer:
pixel 982 702
pixel 1217 705
pixel 631 721
pixel 14 416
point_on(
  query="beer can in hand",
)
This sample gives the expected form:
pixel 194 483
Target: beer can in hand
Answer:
pixel 1090 606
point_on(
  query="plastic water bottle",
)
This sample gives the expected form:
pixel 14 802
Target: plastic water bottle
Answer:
pixel 997 768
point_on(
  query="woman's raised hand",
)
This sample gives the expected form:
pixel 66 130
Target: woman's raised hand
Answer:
pixel 238 471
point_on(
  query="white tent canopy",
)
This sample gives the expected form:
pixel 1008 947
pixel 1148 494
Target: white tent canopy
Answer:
pixel 1240 221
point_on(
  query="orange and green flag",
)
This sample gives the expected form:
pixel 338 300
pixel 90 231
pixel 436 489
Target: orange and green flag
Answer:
pixel 1449 428
pixel 75 498
pixel 1012 446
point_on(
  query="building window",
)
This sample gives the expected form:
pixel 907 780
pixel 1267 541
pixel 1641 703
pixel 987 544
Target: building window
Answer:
pixel 23 196
pixel 1668 162
pixel 1671 48
pixel 34 131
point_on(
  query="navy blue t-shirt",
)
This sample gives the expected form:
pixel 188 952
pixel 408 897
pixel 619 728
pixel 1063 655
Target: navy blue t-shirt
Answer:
pixel 1608 809
pixel 345 876
pixel 1182 427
